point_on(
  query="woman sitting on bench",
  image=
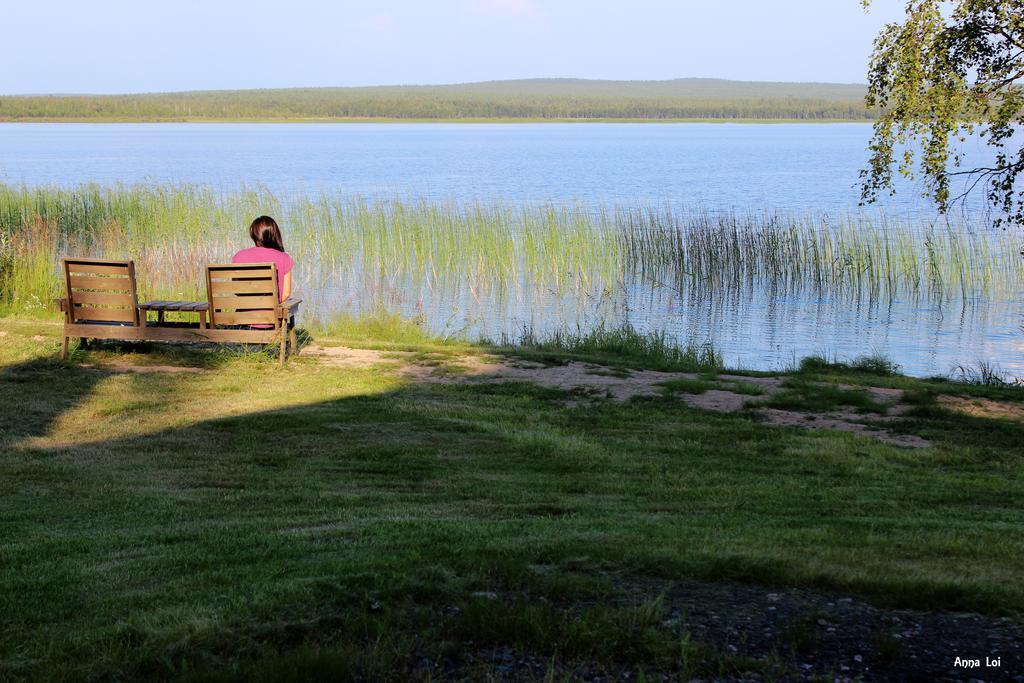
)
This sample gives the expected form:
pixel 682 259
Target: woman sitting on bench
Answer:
pixel 102 302
pixel 269 249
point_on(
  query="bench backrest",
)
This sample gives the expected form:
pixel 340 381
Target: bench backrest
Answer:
pixel 101 290
pixel 242 293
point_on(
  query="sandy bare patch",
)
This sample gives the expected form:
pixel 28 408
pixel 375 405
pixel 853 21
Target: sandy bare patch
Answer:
pixel 345 357
pixel 899 410
pixel 983 407
pixel 39 338
pixel 885 394
pixel 720 400
pixel 571 376
pixel 3 333
pixel 595 381
pixel 768 384
pixel 878 394
pixel 840 422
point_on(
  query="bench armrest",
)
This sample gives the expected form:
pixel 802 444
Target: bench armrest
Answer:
pixel 62 304
pixel 290 305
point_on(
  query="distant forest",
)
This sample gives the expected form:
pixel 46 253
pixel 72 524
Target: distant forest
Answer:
pixel 687 98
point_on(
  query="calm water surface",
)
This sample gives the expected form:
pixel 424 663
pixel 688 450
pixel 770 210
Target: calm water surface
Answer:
pixel 786 168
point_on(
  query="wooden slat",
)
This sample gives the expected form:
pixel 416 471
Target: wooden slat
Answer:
pixel 244 318
pixel 163 305
pixel 155 305
pixel 128 332
pixel 96 269
pixel 103 299
pixel 106 283
pixel 125 315
pixel 99 261
pixel 259 279
pixel 242 286
pixel 174 306
pixel 135 291
pixel 235 302
pixel 235 266
pixel 209 291
pixel 189 334
pixel 260 272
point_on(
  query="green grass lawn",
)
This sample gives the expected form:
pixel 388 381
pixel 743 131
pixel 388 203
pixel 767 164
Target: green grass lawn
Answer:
pixel 337 521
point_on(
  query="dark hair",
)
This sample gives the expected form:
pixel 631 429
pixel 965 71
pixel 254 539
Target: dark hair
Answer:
pixel 265 233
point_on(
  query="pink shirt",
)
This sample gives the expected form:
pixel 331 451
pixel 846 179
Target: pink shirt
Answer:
pixel 280 259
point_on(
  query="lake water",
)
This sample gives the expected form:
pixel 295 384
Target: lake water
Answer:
pixel 801 169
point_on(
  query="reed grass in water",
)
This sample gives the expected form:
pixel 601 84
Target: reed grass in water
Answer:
pixel 448 262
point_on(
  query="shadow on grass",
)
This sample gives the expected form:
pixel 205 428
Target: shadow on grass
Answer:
pixel 36 393
pixel 337 530
pixel 231 507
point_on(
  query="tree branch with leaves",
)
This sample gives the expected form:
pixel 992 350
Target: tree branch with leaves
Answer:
pixel 952 69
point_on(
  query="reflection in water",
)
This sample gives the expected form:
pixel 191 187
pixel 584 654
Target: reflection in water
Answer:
pixel 764 292
pixel 753 328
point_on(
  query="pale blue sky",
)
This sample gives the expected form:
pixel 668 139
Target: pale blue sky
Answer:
pixel 158 45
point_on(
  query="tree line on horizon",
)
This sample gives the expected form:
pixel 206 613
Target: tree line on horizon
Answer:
pixel 470 101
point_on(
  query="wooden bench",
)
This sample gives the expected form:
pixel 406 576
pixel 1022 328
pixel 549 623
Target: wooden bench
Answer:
pixel 242 306
pixel 101 300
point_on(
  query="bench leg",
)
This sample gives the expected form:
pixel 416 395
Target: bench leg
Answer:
pixel 284 343
pixel 64 348
pixel 293 340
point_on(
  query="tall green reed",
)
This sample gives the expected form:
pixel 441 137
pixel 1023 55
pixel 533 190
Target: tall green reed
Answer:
pixel 852 256
pixel 356 255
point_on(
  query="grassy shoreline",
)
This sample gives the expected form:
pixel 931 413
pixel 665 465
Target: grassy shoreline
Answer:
pixel 477 271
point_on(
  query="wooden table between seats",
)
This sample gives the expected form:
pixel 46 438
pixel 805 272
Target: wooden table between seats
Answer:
pixel 161 308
